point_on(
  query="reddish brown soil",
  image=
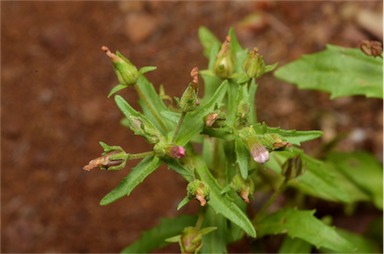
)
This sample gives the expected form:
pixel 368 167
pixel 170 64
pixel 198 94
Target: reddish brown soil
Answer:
pixel 54 108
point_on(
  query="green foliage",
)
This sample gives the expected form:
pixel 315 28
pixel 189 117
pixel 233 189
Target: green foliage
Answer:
pixel 339 71
pixel 138 174
pixel 227 156
pixel 363 171
pixel 222 204
pixel 303 225
pixel 155 238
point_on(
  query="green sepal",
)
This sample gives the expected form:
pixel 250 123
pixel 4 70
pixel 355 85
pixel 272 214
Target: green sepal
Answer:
pixel 116 89
pixel 146 69
pixel 271 67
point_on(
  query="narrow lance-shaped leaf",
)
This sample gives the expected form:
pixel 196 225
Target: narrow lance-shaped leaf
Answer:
pixel 221 203
pixel 208 40
pixel 134 178
pixel 242 157
pixel 216 241
pixel 303 225
pixel 153 105
pixel 337 70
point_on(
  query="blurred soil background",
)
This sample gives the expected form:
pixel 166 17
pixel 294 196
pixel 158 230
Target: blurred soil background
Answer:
pixel 54 109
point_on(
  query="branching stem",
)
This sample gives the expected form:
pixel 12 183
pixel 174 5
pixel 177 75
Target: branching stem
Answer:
pixel 136 156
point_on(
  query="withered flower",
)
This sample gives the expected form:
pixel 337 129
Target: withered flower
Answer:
pixel 104 162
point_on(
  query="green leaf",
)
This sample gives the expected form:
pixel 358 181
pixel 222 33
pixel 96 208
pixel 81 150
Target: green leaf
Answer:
pixel 137 175
pixel 208 40
pixel 215 242
pixel 155 238
pixel 303 225
pixel 211 83
pixel 171 116
pixel 317 180
pixel 221 203
pixel 295 245
pixel 363 170
pixel 320 181
pixel 242 157
pixel 153 104
pixel 363 244
pixel 337 70
pixel 179 168
pixel 234 43
pixel 194 121
pixel 291 136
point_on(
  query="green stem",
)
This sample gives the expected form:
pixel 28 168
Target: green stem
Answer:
pixel 270 201
pixel 200 219
pixel 136 156
pixel 153 111
pixel 179 123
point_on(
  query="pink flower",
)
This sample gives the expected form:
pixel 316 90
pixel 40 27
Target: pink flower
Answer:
pixel 259 153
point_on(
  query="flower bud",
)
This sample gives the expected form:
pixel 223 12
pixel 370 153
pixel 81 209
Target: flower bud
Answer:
pixel 225 63
pixel 244 188
pixel 190 240
pixel 189 100
pixel 176 152
pixel 164 149
pixel 215 119
pixel 113 158
pixel 126 72
pixel 254 64
pixel 199 190
pixel 293 167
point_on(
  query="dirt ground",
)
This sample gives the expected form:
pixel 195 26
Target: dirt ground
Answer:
pixel 54 109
